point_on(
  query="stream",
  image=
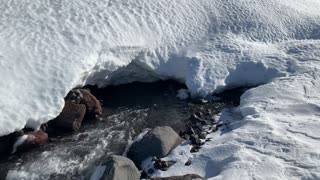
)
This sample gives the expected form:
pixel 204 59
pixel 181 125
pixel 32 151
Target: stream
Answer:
pixel 128 109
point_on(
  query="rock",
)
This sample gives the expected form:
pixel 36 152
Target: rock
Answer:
pixel 93 106
pixel 118 168
pixel 157 142
pixel 163 165
pixel 70 119
pixel 202 135
pixel 185 177
pixel 195 140
pixel 188 163
pixel 30 140
pixel 195 149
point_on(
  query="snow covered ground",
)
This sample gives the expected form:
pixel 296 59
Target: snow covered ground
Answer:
pixel 273 134
pixel 49 47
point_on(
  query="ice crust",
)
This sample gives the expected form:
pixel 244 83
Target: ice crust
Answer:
pixel 49 47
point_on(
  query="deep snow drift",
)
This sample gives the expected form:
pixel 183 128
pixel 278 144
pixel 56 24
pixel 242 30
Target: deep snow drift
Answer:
pixel 49 47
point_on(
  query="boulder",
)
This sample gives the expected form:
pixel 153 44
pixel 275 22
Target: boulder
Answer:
pixel 116 168
pixel 158 142
pixel 30 140
pixel 185 177
pixel 70 119
pixel 93 106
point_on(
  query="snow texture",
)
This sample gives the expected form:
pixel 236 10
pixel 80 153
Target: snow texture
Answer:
pixel 49 47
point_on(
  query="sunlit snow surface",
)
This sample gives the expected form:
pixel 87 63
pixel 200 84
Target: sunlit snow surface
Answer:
pixel 47 47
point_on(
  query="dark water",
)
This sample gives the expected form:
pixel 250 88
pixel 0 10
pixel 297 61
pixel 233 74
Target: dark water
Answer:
pixel 128 109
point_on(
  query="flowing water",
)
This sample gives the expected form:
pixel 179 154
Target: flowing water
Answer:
pixel 128 109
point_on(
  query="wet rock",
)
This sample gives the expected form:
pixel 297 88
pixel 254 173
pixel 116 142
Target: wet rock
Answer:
pixel 185 177
pixel 195 140
pixel 157 142
pixel 70 119
pixel 118 168
pixel 190 131
pixel 163 165
pixel 93 106
pixel 195 149
pixel 202 135
pixel 30 140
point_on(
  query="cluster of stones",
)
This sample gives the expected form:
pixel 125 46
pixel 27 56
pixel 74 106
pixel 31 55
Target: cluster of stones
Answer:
pixel 156 143
pixel 79 104
pixel 198 126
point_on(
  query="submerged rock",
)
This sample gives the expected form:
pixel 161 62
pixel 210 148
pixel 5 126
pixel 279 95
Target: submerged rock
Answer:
pixel 157 142
pixel 30 140
pixel 185 177
pixel 116 168
pixel 71 117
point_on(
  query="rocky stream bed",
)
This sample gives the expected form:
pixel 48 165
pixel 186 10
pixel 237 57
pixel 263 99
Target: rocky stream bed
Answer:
pixel 127 110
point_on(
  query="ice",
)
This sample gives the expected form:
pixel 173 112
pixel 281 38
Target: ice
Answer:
pixel 49 47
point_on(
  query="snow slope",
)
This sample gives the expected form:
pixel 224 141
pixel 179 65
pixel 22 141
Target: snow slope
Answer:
pixel 273 134
pixel 49 47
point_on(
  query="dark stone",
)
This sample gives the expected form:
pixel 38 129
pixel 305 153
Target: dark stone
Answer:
pixel 70 119
pixel 188 163
pixel 195 140
pixel 157 142
pixel 157 164
pixel 119 168
pixel 202 135
pixel 190 131
pixel 195 149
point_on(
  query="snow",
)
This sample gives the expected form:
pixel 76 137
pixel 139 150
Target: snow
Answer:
pixel 49 47
pixel 273 134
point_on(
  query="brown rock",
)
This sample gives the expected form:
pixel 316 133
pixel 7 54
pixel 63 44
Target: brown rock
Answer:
pixel 30 140
pixel 71 117
pixel 92 104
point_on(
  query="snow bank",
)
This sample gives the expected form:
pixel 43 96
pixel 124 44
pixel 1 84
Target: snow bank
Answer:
pixel 273 134
pixel 49 47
